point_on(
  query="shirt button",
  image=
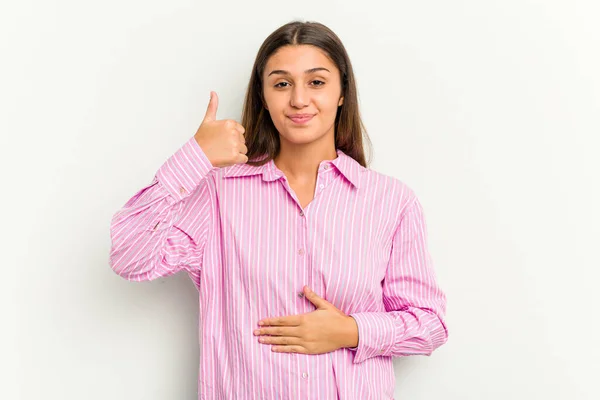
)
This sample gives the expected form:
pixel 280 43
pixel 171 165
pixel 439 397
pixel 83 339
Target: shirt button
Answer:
pixel 300 251
pixel 382 350
pixel 181 190
pixel 304 375
pixel 300 294
pixel 321 186
pixel 326 166
pixel 302 213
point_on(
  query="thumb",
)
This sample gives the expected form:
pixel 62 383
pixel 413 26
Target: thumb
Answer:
pixel 314 298
pixel 213 104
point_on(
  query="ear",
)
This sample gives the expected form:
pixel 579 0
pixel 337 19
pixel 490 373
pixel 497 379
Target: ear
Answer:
pixel 341 101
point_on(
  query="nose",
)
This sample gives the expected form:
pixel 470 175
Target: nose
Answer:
pixel 299 97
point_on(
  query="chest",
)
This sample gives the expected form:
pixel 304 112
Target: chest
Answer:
pixel 336 240
pixel 304 192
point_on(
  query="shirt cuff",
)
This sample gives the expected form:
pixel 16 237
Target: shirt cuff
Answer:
pixel 376 335
pixel 184 170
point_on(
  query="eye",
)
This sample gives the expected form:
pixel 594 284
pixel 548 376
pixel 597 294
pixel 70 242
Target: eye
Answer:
pixel 319 83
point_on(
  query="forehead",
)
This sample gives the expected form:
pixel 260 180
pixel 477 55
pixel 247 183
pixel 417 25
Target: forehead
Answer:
pixel 297 59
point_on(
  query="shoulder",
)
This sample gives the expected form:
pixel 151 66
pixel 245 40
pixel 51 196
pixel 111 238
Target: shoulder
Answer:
pixel 395 190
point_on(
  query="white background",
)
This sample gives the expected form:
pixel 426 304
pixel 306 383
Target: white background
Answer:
pixel 489 110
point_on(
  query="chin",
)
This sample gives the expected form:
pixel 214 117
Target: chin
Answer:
pixel 301 137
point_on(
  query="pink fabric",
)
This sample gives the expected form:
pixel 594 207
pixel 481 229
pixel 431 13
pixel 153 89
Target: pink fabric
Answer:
pixel 243 238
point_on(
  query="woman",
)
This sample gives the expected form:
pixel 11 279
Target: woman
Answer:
pixel 312 270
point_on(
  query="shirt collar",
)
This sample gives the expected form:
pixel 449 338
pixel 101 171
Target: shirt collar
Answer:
pixel 345 164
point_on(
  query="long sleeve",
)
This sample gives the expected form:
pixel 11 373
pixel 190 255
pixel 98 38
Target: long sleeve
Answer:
pixel 413 323
pixel 162 229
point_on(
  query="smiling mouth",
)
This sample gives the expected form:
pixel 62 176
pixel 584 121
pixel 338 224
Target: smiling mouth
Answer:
pixel 301 120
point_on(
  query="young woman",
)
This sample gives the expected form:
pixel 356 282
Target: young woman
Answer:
pixel 312 270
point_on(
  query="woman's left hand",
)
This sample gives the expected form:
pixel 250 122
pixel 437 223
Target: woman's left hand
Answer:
pixel 321 331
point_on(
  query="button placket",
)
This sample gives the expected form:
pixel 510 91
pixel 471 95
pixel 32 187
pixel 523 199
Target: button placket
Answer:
pixel 303 261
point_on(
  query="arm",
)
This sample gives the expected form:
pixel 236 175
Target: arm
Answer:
pixel 162 229
pixel 413 323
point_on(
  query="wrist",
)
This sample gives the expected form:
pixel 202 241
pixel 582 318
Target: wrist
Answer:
pixel 351 332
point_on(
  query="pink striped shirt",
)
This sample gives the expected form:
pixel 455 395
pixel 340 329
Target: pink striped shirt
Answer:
pixel 249 247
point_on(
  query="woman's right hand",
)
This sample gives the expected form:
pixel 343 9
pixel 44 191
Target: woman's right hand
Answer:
pixel 222 141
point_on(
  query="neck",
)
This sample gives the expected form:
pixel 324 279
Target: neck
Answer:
pixel 300 162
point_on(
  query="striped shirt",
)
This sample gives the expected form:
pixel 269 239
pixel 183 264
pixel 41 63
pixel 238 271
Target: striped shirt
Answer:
pixel 242 236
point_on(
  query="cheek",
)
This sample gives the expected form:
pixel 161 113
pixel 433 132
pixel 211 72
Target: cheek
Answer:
pixel 327 102
pixel 328 109
pixel 276 105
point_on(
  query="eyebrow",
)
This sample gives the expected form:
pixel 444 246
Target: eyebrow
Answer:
pixel 308 71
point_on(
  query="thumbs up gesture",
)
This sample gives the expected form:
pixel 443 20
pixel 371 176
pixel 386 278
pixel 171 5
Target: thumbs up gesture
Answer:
pixel 222 141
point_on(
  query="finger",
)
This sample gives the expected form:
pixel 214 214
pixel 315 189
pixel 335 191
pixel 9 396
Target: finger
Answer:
pixel 314 298
pixel 238 127
pixel 242 159
pixel 289 320
pixel 243 149
pixel 213 104
pixel 242 138
pixel 289 349
pixel 278 331
pixel 285 340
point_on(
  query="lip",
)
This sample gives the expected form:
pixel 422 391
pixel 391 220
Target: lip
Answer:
pixel 301 118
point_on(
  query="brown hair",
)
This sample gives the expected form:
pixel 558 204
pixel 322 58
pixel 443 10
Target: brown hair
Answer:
pixel 262 138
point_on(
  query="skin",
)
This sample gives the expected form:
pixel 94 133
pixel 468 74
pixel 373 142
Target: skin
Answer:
pixel 303 147
pixel 321 331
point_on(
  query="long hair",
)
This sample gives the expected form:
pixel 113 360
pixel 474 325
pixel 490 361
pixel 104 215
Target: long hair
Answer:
pixel 262 138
